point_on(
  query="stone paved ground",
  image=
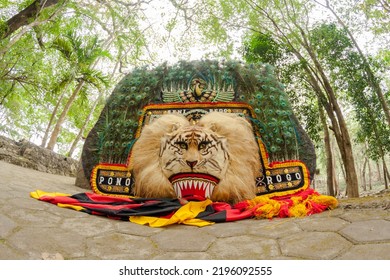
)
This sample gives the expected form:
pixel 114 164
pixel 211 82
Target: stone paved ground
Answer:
pixel 32 229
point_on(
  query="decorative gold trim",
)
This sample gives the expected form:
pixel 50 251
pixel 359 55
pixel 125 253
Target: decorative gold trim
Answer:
pixel 107 166
pixel 247 109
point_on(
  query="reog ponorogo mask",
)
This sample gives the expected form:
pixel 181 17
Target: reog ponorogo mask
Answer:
pixel 203 131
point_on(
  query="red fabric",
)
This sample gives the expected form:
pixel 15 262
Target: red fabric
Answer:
pixel 123 208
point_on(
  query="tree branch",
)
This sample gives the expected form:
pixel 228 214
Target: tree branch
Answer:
pixel 25 16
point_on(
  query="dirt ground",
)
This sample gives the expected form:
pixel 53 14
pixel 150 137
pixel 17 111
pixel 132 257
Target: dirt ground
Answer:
pixel 379 200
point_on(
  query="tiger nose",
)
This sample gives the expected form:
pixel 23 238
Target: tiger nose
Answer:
pixel 191 163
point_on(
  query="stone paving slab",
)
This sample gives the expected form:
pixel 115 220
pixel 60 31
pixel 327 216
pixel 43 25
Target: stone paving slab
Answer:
pixel 34 230
pixel 314 245
pixel 368 231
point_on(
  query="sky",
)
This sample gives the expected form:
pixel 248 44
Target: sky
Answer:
pixel 171 47
pixel 181 43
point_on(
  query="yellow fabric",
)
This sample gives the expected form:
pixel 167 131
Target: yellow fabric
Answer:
pixel 38 194
pixel 74 207
pixel 299 208
pixel 331 201
pixel 185 215
pixel 264 207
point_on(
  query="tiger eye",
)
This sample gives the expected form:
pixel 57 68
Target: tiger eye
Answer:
pixel 203 145
pixel 183 146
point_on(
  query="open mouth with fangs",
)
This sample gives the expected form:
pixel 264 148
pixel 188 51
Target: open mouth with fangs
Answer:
pixel 193 186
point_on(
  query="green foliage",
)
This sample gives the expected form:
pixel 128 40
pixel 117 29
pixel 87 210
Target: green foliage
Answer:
pixel 345 68
pixel 214 30
pixel 330 41
pixel 41 67
pixel 348 76
pixel 262 47
pixel 377 11
pixel 384 57
pixel 25 78
pixel 3 28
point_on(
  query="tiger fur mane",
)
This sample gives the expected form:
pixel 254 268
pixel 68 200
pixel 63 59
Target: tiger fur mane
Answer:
pixel 225 148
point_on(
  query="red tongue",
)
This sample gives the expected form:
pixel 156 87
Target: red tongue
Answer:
pixel 193 186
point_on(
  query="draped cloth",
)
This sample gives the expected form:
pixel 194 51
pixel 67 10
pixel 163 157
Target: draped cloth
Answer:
pixel 161 212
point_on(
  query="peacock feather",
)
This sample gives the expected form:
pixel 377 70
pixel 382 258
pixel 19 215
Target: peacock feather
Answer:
pixel 112 137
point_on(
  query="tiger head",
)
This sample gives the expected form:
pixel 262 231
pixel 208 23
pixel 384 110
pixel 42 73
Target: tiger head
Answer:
pixel 194 159
pixel 217 158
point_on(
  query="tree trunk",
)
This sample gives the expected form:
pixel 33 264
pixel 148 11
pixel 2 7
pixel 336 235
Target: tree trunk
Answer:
pixel 364 181
pixel 47 131
pixel 328 152
pixel 378 174
pixel 386 174
pixel 20 34
pixel 320 83
pixel 81 132
pixel 349 164
pixel 26 16
pixel 369 175
pixel 82 129
pixel 53 115
pixel 61 119
pixel 339 126
pixel 335 178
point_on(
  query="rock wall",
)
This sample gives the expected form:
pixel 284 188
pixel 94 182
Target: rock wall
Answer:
pixel 29 155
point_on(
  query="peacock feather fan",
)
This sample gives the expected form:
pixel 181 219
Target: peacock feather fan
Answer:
pixel 113 135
